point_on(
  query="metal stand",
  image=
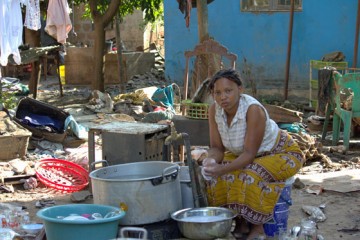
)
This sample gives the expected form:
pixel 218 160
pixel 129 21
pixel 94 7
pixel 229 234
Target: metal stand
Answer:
pixel 197 181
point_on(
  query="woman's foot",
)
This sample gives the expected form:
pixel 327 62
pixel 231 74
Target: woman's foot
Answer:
pixel 256 233
pixel 241 228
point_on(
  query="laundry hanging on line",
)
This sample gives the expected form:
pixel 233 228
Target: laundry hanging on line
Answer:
pixel 11 29
pixel 11 24
pixel 58 23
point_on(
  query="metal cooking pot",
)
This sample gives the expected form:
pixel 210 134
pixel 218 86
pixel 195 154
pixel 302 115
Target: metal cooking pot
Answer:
pixel 150 190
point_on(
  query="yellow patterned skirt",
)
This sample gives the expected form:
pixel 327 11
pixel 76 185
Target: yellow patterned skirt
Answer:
pixel 254 191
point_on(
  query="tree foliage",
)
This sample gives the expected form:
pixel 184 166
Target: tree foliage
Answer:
pixel 102 12
pixel 151 8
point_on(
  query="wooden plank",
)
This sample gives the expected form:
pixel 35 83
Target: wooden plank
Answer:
pixel 16 179
pixel 32 54
pixel 283 115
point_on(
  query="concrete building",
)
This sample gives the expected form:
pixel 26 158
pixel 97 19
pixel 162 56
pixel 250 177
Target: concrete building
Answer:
pixel 258 34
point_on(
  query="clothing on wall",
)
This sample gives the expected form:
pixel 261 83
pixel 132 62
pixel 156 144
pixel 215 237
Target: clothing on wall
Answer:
pixel 58 23
pixel 11 29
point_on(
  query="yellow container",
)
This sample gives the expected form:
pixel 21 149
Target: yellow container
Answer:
pixel 62 74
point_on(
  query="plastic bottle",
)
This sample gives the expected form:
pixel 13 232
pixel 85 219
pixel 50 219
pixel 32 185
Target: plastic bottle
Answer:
pixel 308 230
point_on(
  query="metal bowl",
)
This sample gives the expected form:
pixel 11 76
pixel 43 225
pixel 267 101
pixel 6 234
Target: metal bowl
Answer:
pixel 204 223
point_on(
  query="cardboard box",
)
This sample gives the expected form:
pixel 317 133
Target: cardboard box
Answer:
pixel 14 139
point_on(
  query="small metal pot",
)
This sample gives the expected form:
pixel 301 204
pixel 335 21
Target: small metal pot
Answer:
pixel 204 223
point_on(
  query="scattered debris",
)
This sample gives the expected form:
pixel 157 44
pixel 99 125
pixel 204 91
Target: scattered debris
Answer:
pixel 330 164
pixel 30 183
pixel 317 189
pixel 316 214
pixel 81 196
pixel 350 230
pixel 320 237
pixel 100 102
pixel 322 205
pixel 45 203
pixel 18 166
pixel 298 184
pixel 6 188
pixel 339 149
pixel 316 120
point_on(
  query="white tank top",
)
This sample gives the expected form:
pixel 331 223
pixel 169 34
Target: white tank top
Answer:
pixel 233 137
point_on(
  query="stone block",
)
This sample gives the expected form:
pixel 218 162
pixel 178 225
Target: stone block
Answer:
pixel 79 64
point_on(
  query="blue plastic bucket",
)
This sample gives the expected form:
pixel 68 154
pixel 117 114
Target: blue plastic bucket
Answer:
pixel 281 213
pixel 96 229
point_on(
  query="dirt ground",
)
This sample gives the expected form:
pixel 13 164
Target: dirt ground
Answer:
pixel 342 212
pixel 342 207
pixel 342 204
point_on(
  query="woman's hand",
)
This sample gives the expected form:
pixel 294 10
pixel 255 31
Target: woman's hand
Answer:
pixel 208 161
pixel 211 168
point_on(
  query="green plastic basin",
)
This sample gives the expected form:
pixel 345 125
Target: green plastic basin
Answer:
pixel 96 229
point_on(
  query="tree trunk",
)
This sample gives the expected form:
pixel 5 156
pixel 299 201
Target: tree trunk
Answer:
pixel 33 39
pixel 100 22
pixel 99 56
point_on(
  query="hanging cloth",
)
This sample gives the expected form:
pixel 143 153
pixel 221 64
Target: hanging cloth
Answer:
pixel 185 7
pixel 32 17
pixel 58 23
pixel 165 97
pixel 11 30
pixel 324 90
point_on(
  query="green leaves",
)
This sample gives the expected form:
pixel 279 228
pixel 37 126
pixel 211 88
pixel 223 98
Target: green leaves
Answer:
pixel 153 9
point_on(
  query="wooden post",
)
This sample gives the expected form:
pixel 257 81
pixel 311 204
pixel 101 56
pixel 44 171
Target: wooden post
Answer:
pixel 202 9
pixel 356 43
pixel 201 73
pixel 287 73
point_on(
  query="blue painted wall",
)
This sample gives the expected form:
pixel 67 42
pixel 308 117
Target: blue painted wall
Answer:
pixel 323 26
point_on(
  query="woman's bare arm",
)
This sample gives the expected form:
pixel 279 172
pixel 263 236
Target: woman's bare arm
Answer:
pixel 217 148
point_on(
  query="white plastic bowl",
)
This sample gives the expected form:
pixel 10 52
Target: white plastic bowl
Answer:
pixel 32 228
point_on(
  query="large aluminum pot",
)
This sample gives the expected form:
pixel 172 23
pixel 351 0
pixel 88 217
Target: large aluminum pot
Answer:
pixel 150 190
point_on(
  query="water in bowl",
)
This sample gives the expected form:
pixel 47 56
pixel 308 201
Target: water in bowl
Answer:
pixel 203 219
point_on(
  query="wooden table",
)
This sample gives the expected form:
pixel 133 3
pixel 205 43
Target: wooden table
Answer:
pixel 38 54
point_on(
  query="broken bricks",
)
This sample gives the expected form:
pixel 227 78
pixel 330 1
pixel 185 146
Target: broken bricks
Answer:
pixel 45 203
